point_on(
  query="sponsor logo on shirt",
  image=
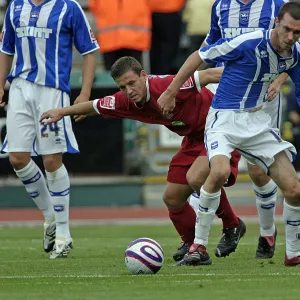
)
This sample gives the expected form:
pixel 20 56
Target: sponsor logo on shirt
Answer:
pixel 269 77
pixel 37 32
pixel 108 102
pixel 1 36
pixel 244 15
pixel 178 123
pixel 232 32
pixel 92 35
pixel 188 84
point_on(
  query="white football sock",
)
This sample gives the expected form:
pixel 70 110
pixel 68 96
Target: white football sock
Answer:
pixel 59 187
pixel 35 185
pixel 291 217
pixel 194 201
pixel 266 203
pixel 208 206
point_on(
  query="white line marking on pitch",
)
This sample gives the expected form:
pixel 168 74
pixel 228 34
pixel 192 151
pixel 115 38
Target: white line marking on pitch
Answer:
pixel 119 276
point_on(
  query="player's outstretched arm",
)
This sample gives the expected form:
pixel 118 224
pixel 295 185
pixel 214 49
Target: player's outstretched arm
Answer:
pixel 274 88
pixel 54 115
pixel 5 63
pixel 211 75
pixel 88 75
pixel 166 100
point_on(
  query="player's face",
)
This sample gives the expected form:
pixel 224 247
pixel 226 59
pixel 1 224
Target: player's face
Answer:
pixel 288 31
pixel 133 85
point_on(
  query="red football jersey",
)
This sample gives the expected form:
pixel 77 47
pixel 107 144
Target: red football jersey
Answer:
pixel 187 119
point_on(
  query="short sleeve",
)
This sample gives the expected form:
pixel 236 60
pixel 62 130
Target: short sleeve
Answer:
pixel 230 49
pixel 84 38
pixel 7 35
pixel 214 33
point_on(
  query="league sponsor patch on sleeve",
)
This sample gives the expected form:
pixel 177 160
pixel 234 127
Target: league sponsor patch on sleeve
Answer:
pixel 188 84
pixel 93 37
pixel 108 102
pixel 1 36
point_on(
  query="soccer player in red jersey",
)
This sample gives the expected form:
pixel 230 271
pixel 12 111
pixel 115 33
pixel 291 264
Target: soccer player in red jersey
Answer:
pixel 137 100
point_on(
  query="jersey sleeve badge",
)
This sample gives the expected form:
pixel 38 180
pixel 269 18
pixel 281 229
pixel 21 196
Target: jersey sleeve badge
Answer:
pixel 188 84
pixel 108 102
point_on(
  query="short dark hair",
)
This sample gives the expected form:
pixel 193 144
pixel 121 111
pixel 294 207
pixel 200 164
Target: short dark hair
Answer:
pixel 292 8
pixel 125 64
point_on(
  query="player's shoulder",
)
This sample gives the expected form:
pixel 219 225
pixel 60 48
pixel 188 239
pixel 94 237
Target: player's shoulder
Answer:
pixel 71 4
pixel 17 4
pixel 158 83
pixel 250 37
pixel 218 2
pixel 159 79
pixel 279 2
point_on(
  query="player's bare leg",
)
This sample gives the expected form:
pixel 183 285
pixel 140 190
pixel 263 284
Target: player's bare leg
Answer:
pixel 181 214
pixel 284 175
pixel 209 201
pixel 59 187
pixel 233 227
pixel 265 190
pixel 35 185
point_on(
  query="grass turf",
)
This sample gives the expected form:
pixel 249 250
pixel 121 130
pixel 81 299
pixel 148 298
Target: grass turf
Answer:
pixel 95 268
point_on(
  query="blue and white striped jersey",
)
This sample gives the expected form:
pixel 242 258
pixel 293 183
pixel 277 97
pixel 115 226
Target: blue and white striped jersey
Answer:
pixel 230 18
pixel 251 66
pixel 41 37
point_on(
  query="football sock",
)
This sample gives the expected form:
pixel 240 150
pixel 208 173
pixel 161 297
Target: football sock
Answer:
pixel 225 212
pixel 59 187
pixel 291 218
pixel 35 185
pixel 184 222
pixel 209 203
pixel 266 203
pixel 194 201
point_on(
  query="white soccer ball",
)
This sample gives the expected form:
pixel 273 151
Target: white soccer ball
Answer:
pixel 144 256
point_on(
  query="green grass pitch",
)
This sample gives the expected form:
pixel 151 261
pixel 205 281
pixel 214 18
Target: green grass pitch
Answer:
pixel 95 268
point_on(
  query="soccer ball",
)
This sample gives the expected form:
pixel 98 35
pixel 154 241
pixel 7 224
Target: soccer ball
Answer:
pixel 144 256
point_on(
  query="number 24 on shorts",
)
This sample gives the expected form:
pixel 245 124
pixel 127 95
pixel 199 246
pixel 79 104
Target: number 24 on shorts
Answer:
pixel 51 127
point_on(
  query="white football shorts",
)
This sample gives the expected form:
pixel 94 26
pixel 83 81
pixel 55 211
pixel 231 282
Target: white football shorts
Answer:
pixel 27 102
pixel 250 133
pixel 273 108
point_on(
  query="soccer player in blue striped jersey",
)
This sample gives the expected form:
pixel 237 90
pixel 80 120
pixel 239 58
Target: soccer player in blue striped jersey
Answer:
pixel 231 18
pixel 237 121
pixel 38 35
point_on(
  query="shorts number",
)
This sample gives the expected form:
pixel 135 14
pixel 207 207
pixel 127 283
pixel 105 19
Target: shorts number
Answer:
pixel 51 127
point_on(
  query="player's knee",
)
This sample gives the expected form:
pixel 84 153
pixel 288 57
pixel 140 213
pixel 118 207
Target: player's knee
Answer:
pixel 194 182
pixel 258 176
pixel 292 195
pixel 19 160
pixel 52 162
pixel 172 202
pixel 219 176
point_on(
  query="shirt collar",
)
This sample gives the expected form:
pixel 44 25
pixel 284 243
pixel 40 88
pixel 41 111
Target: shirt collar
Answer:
pixel 147 91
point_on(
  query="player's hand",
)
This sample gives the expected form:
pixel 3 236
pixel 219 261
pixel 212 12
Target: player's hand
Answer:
pixel 2 104
pixel 80 99
pixel 273 91
pixel 166 102
pixel 51 116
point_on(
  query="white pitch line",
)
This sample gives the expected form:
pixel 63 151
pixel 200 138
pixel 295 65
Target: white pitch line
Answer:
pixel 145 221
pixel 119 276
